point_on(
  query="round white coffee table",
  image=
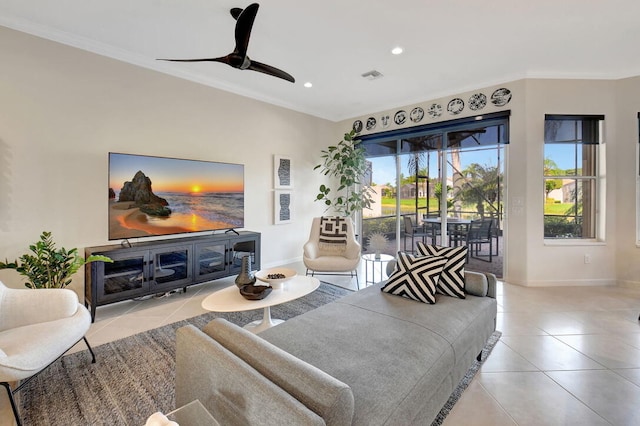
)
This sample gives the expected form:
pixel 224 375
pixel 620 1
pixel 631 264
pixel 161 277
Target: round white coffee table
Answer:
pixel 230 300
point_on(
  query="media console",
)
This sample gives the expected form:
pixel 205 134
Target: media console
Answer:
pixel 153 267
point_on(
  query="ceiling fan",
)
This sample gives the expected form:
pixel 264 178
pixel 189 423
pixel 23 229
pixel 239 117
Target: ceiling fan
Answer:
pixel 239 58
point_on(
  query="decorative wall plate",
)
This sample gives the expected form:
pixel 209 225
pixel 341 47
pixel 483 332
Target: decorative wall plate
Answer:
pixel 416 114
pixel 357 126
pixel 501 97
pixel 400 117
pixel 477 101
pixel 435 110
pixel 371 123
pixel 455 106
pixel 384 121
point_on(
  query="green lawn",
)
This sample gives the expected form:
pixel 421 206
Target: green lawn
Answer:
pixel 557 208
pixel 410 203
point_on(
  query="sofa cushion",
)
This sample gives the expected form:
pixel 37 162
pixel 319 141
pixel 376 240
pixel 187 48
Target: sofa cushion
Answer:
pixel 47 341
pixel 333 234
pixel 393 367
pixel 477 284
pixel 324 395
pixel 233 392
pixel 415 277
pixel 458 321
pixel 451 281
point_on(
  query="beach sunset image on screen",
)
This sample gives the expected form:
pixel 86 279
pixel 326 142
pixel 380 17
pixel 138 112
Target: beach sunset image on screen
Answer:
pixel 151 196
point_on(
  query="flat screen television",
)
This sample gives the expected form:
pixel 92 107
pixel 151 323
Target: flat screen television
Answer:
pixel 152 196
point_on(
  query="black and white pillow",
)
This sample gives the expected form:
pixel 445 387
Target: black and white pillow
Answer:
pixel 451 280
pixel 415 277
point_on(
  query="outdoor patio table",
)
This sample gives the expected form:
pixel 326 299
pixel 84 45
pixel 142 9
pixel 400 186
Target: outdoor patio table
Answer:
pixel 456 228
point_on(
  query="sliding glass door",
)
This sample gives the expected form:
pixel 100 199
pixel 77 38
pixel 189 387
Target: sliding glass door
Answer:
pixel 436 186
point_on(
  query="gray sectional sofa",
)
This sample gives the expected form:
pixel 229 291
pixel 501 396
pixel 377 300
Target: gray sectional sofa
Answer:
pixel 369 358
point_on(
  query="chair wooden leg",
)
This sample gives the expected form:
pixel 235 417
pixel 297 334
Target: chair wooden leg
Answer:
pixel 13 403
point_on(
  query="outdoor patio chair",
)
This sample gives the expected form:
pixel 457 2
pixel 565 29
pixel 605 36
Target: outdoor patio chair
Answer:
pixel 412 231
pixel 478 234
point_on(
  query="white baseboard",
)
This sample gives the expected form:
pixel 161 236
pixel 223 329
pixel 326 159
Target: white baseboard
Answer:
pixel 281 262
pixel 565 283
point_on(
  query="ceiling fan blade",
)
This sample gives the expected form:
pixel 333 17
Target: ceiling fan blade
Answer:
pixel 244 25
pixel 238 58
pixel 223 59
pixel 268 69
pixel 235 12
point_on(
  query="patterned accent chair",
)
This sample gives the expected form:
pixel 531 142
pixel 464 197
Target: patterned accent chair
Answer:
pixel 36 328
pixel 332 248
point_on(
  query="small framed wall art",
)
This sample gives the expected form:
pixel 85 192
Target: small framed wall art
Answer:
pixel 282 177
pixel 282 207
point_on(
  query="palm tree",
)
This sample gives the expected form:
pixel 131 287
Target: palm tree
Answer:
pixel 551 169
pixel 481 185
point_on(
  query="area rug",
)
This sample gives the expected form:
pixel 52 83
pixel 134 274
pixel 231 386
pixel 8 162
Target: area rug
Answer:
pixel 134 376
pixel 464 383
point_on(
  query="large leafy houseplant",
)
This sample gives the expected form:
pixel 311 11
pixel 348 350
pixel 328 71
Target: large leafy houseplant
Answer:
pixel 347 164
pixel 49 267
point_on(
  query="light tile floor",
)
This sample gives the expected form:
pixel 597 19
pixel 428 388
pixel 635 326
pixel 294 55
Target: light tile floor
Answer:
pixel 568 355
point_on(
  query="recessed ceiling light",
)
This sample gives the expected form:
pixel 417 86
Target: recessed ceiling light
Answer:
pixel 308 84
pixel 397 50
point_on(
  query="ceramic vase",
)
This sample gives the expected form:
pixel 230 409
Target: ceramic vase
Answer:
pixel 245 277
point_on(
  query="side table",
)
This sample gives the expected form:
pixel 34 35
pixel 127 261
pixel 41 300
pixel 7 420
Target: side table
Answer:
pixel 192 414
pixel 370 258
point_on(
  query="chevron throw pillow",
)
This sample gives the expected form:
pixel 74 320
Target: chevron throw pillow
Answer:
pixel 415 277
pixel 451 280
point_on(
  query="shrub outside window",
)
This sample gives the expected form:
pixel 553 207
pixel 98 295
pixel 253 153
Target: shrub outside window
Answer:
pixel 571 183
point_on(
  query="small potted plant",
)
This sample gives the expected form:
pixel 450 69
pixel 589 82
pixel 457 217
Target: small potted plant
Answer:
pixel 49 267
pixel 377 243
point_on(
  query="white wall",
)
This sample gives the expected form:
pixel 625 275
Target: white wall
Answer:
pixel 627 251
pixel 62 110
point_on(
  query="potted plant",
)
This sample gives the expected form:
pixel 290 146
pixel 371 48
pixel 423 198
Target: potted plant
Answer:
pixel 377 243
pixel 49 267
pixel 345 162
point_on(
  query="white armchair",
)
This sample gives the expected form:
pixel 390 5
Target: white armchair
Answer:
pixel 36 328
pixel 323 259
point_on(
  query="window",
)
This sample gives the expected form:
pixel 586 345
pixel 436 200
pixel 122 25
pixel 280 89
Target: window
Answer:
pixel 571 176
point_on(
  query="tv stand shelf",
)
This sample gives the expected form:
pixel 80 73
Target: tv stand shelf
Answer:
pixel 160 266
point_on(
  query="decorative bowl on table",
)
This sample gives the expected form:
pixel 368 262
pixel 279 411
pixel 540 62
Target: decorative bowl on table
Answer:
pixel 255 292
pixel 275 277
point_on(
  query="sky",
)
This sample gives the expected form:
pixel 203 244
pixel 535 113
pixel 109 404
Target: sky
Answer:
pixel 176 175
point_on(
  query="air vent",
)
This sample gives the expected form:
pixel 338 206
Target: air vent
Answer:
pixel 372 75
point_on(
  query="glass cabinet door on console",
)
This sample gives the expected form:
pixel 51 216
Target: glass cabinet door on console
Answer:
pixel 211 260
pixel 126 277
pixel 157 267
pixel 170 267
pixel 239 249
